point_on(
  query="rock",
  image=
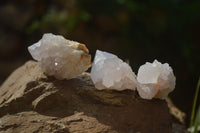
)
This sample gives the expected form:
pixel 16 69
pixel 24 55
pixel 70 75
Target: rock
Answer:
pixel 156 80
pixel 31 102
pixel 110 72
pixel 60 57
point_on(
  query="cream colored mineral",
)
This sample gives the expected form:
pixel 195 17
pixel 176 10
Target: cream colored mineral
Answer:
pixel 110 72
pixel 156 80
pixel 59 57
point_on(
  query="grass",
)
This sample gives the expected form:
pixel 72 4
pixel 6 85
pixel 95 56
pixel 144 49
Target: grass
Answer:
pixel 195 122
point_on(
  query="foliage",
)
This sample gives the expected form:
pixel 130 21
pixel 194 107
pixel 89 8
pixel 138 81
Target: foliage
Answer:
pixel 195 123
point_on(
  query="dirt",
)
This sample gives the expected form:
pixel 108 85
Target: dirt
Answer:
pixel 31 102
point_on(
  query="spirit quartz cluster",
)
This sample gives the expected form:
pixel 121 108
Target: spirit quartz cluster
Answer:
pixel 155 80
pixel 110 72
pixel 65 59
pixel 59 57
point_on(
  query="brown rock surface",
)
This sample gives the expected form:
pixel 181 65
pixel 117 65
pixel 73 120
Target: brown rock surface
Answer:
pixel 31 102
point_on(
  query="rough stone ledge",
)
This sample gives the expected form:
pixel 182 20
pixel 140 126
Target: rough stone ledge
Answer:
pixel 33 102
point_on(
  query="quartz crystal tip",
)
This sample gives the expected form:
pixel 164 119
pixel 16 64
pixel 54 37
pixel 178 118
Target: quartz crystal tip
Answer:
pixel 59 57
pixel 155 80
pixel 110 72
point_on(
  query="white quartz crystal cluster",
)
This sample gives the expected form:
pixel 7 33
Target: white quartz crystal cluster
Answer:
pixel 65 59
pixel 156 80
pixel 110 72
pixel 59 57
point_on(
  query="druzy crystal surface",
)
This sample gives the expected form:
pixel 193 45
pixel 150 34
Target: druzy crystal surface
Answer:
pixel 110 72
pixel 156 80
pixel 59 57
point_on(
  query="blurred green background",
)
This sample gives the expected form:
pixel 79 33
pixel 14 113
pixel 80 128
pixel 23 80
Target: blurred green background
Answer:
pixel 135 30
